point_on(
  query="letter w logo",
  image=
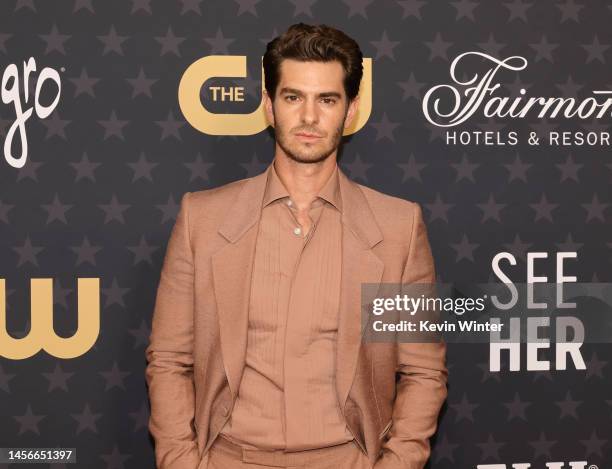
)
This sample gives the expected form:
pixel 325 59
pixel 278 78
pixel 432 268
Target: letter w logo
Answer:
pixel 42 335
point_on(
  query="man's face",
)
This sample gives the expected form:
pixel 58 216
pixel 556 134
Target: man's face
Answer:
pixel 310 109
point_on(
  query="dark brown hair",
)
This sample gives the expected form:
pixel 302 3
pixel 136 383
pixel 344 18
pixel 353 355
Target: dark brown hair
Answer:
pixel 319 43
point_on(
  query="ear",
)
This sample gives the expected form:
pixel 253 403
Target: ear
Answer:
pixel 352 111
pixel 268 107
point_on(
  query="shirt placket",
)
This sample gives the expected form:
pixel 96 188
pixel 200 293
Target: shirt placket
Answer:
pixel 292 343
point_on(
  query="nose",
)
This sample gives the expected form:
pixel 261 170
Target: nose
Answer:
pixel 310 112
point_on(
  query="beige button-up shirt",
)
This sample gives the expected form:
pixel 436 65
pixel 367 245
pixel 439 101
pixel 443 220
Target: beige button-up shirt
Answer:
pixel 287 397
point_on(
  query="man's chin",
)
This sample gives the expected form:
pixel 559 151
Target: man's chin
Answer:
pixel 308 158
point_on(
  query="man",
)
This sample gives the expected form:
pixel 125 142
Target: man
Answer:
pixel 256 358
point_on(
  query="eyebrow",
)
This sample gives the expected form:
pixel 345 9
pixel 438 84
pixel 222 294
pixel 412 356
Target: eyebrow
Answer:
pixel 326 94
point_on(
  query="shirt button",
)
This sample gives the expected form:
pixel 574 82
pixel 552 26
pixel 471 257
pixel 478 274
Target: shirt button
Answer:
pixel 297 231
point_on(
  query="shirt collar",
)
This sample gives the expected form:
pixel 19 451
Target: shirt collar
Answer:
pixel 275 189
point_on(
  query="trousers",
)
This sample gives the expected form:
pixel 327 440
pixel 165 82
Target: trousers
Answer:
pixel 224 454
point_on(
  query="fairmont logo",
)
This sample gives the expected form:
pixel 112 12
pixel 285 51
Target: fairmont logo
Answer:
pixel 448 105
pixel 549 465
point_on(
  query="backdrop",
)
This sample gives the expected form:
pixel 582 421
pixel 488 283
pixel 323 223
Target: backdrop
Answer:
pixel 102 134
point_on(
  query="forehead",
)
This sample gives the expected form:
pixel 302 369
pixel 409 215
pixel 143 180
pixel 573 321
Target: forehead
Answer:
pixel 312 76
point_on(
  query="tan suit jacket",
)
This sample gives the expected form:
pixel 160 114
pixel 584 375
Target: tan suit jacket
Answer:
pixel 198 340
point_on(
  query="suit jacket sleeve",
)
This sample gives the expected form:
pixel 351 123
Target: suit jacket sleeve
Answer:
pixel 169 371
pixel 421 388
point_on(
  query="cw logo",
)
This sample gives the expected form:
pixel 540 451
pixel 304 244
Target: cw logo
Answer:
pixel 42 335
pixel 252 123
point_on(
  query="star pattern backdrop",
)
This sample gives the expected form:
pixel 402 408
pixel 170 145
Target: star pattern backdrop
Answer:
pixel 105 173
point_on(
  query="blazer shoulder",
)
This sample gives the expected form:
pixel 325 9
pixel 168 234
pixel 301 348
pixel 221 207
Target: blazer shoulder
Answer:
pixel 395 216
pixel 213 203
pixel 389 207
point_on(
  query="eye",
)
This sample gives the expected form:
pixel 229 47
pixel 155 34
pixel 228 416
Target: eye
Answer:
pixel 329 100
pixel 291 98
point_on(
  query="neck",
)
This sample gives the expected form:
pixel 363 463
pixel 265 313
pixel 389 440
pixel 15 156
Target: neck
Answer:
pixel 303 180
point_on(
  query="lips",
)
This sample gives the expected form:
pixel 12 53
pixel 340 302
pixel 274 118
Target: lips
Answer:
pixel 306 135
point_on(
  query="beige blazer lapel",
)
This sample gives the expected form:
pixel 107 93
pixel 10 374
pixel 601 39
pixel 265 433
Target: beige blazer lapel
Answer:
pixel 232 267
pixel 360 234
